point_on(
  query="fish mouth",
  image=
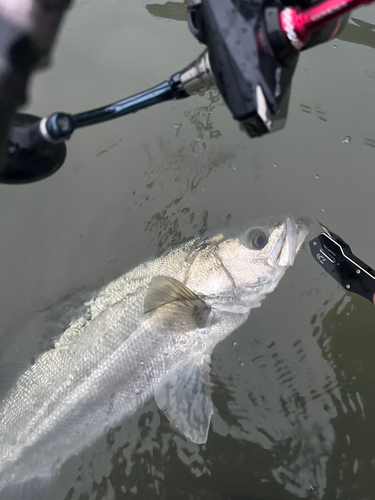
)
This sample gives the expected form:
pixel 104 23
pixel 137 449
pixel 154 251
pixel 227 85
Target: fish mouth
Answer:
pixel 279 248
pixel 290 242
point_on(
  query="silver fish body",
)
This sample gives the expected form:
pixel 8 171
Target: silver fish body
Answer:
pixel 149 333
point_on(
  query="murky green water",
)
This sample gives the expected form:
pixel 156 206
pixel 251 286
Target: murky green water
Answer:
pixel 294 387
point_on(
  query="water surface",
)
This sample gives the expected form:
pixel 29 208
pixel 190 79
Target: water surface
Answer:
pixel 293 388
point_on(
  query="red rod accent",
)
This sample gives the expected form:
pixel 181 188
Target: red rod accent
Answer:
pixel 301 24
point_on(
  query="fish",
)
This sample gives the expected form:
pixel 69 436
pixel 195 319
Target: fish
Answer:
pixel 149 333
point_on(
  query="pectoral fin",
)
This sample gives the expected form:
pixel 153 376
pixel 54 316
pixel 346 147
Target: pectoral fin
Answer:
pixel 174 299
pixel 185 398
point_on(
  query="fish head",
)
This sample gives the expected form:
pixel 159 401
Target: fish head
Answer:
pixel 256 260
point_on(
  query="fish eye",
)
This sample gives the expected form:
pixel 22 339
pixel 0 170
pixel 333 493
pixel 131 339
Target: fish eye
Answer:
pixel 257 239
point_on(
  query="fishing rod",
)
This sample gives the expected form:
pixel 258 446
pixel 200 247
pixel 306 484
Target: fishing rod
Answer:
pixel 250 57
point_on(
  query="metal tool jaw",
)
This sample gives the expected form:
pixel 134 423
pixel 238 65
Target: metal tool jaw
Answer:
pixel 336 258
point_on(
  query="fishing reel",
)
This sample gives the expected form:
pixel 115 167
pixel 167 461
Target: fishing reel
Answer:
pixel 252 52
pixel 248 57
pixel 252 48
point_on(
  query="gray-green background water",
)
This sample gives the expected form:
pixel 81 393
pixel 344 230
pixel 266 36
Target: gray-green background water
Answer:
pixel 293 388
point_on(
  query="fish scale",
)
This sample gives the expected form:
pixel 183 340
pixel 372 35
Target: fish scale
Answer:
pixel 103 369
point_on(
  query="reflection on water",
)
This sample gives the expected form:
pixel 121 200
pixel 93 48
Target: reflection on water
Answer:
pixel 319 110
pixel 361 33
pixel 347 339
pixel 281 398
pixel 136 459
pixel 169 10
pixel 187 168
pixel 111 145
pixel 200 116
